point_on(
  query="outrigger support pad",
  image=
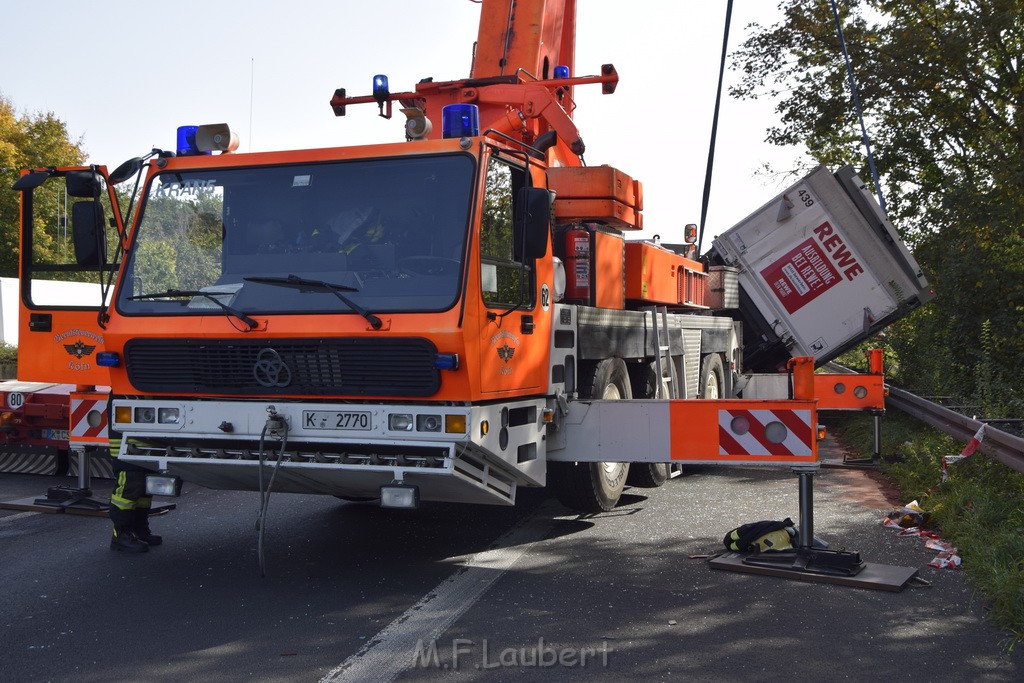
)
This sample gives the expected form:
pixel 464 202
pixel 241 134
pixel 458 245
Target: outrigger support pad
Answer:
pixel 805 557
pixel 814 564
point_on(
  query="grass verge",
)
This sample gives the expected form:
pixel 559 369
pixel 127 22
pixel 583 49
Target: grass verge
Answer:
pixel 979 509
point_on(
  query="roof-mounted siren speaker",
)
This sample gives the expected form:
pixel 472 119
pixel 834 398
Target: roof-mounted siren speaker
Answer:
pixel 216 137
pixel 417 125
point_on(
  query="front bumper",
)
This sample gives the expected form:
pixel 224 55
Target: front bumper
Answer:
pixel 347 450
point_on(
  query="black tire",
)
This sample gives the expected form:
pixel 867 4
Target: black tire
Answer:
pixel 712 377
pixel 644 382
pixel 594 486
pixel 648 475
pixel 643 378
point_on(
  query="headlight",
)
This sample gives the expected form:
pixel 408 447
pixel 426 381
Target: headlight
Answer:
pixel 145 415
pixel 168 416
pixel 400 422
pixel 163 485
pixel 428 423
pixel 399 496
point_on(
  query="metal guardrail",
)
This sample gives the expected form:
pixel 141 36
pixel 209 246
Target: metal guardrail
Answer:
pixel 1006 448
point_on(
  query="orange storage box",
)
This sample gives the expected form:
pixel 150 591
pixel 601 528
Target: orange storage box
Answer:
pixel 599 194
pixel 608 270
pixel 659 276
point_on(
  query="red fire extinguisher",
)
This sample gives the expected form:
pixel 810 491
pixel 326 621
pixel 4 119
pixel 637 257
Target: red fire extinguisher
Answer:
pixel 577 263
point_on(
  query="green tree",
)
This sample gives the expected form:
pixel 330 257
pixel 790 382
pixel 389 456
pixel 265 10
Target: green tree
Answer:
pixel 31 141
pixel 180 247
pixel 943 96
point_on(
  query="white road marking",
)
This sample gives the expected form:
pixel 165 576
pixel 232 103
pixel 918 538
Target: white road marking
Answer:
pixel 391 651
pixel 20 515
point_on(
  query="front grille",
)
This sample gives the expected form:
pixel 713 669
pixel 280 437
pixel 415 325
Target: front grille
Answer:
pixel 400 367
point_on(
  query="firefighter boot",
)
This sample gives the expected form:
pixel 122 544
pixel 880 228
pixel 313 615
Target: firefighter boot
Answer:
pixel 124 539
pixel 140 526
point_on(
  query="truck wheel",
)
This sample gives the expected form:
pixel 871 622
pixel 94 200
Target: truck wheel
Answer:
pixel 594 486
pixel 648 475
pixel 644 381
pixel 712 373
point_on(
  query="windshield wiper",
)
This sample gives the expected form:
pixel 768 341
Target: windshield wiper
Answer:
pixel 302 284
pixel 210 296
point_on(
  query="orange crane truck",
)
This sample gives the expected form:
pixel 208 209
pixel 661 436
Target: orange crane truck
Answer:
pixel 454 315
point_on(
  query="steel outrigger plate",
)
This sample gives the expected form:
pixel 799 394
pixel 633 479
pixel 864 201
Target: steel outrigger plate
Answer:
pixel 818 565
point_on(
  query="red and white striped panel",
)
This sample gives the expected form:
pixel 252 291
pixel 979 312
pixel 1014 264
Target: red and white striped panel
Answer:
pixel 88 420
pixel 765 432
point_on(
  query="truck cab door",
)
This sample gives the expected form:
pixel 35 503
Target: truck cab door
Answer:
pixel 514 234
pixel 70 230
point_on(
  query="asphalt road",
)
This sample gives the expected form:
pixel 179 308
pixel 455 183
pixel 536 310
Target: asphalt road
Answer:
pixel 463 593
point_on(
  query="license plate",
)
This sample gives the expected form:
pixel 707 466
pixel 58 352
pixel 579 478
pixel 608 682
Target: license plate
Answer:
pixel 345 420
pixel 55 434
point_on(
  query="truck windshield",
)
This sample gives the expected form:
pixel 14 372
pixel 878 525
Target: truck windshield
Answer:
pixel 390 231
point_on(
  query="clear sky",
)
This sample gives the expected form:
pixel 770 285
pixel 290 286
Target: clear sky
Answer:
pixel 124 74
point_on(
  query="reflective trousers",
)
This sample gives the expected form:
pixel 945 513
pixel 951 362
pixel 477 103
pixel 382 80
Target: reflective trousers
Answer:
pixel 129 493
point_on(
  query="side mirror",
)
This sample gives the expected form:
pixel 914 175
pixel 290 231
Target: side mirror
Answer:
pixel 89 234
pixel 83 184
pixel 533 221
pixel 31 180
pixel 690 233
pixel 125 171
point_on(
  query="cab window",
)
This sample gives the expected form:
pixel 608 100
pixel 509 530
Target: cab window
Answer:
pixel 70 240
pixel 506 280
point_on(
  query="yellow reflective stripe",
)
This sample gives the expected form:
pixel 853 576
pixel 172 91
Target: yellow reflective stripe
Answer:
pixel 122 503
pixel 115 446
pixel 117 496
pixel 144 503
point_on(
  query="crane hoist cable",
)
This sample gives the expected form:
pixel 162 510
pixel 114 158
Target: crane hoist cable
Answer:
pixel 856 104
pixel 718 101
pixel 714 129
